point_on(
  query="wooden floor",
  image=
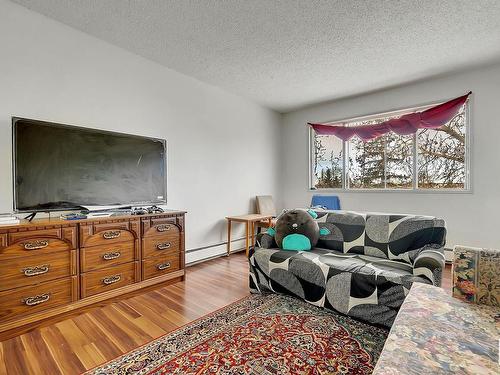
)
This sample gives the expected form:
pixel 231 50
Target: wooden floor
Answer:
pixel 81 342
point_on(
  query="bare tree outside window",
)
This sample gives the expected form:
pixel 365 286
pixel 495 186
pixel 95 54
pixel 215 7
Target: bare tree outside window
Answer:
pixel 388 162
pixel 328 162
pixel 441 155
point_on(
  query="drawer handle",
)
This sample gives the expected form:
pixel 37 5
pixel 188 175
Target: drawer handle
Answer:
pixel 163 266
pixel 111 256
pixel 163 227
pixel 111 279
pixel 36 270
pixel 163 246
pixel 109 235
pixel 35 245
pixel 36 300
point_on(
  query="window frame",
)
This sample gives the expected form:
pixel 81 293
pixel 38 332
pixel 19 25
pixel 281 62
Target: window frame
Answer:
pixel 414 189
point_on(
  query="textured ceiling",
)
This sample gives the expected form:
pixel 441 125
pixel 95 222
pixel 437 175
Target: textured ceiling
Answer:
pixel 288 54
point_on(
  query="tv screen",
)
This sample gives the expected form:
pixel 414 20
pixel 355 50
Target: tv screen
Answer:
pixel 60 167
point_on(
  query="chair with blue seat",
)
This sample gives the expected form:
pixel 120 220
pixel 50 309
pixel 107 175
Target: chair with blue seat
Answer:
pixel 329 202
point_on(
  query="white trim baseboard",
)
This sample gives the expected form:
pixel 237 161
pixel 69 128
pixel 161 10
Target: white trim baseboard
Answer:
pixel 213 251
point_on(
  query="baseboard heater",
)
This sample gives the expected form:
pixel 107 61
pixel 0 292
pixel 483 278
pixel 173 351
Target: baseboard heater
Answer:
pixel 215 245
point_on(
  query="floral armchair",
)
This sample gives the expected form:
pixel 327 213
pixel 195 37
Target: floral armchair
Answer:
pixel 435 333
pixel 476 275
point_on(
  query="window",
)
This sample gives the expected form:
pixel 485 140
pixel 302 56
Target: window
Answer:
pixel 431 159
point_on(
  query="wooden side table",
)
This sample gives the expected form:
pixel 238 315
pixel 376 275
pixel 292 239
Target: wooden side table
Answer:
pixel 249 220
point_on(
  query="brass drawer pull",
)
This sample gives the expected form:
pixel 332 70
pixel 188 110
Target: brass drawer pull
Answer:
pixel 163 266
pixel 163 227
pixel 163 246
pixel 110 234
pixel 111 256
pixel 35 245
pixel 36 270
pixel 111 279
pixel 36 300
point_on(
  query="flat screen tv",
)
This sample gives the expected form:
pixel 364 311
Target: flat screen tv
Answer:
pixel 63 167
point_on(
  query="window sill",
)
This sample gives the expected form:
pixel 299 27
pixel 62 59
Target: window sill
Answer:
pixel 397 191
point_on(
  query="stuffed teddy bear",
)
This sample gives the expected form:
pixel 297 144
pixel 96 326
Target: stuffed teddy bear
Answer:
pixel 297 230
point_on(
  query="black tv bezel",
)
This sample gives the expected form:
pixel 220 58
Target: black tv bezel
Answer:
pixel 16 119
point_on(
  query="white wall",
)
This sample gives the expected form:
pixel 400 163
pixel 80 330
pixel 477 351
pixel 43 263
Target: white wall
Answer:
pixel 471 218
pixel 223 150
pixel 216 140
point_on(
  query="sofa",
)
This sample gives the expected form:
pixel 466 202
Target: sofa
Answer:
pixel 363 268
pixel 438 332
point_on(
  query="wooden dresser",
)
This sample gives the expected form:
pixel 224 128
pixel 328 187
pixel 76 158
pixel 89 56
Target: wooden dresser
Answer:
pixel 50 267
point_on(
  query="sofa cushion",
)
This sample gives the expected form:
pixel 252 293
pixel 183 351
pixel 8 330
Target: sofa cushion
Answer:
pixel 362 286
pixel 389 236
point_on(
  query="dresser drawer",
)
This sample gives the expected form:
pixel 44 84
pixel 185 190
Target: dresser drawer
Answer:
pixel 106 233
pixel 108 236
pixel 103 256
pixel 159 246
pixel 22 271
pixel 158 227
pixel 105 279
pixel 158 266
pixel 31 299
pixel 26 243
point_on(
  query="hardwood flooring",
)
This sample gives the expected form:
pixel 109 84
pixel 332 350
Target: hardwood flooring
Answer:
pixel 81 342
pixel 447 281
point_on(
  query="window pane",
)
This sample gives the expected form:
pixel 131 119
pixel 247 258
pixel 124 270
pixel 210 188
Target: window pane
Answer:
pixel 327 162
pixel 366 163
pixel 399 161
pixel 389 162
pixel 441 155
pixel 385 162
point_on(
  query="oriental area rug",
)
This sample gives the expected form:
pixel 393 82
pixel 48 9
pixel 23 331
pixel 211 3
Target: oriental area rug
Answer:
pixel 260 334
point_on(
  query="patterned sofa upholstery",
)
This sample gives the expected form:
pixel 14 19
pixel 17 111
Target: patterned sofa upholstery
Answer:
pixel 364 268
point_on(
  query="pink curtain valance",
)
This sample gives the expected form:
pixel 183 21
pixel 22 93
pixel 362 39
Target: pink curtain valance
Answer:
pixel 432 118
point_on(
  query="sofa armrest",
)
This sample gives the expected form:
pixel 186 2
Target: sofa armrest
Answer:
pixel 429 263
pixel 265 241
